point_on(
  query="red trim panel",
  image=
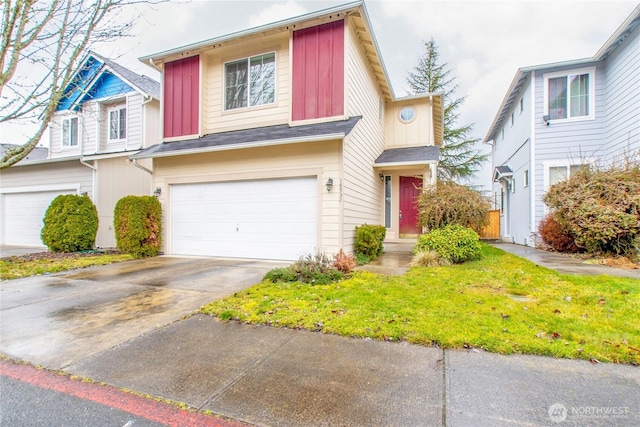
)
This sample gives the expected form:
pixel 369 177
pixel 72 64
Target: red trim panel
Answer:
pixel 318 71
pixel 181 97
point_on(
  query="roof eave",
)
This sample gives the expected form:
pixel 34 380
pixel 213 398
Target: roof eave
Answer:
pixel 257 144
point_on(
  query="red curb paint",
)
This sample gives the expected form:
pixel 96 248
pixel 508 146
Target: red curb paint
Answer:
pixel 106 395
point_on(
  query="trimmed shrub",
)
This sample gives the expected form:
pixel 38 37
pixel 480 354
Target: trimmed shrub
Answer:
pixel 369 240
pixel 343 262
pixel 455 243
pixel 70 224
pixel 362 259
pixel 282 274
pixel 137 221
pixel 450 203
pixel 427 258
pixel 601 208
pixel 557 237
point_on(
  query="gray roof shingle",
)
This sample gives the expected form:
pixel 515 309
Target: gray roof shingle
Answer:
pixel 250 137
pixel 412 155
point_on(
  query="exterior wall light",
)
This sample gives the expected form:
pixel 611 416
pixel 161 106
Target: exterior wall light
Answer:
pixel 329 185
pixel 157 191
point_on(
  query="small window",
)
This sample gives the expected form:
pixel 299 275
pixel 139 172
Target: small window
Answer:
pixel 561 173
pixel 387 201
pixel 250 82
pixel 525 178
pixel 407 114
pixel 502 134
pixel 513 185
pixel 501 200
pixel 117 124
pixel 512 118
pixel 521 105
pixel 70 132
pixel 569 95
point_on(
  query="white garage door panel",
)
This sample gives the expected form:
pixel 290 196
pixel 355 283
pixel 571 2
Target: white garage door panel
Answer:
pixel 23 214
pixel 271 219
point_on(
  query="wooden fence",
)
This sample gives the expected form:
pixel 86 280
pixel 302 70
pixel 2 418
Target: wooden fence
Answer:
pixel 492 230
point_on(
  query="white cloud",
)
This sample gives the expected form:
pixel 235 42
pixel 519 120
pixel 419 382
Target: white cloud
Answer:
pixel 277 12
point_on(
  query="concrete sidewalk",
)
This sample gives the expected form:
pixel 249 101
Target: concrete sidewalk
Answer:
pixel 279 377
pixel 564 263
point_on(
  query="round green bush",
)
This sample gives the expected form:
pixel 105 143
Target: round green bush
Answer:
pixel 452 242
pixel 70 224
pixel 137 222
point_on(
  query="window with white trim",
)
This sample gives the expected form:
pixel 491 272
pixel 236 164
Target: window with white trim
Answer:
pixel 525 178
pixel 250 82
pixel 570 95
pixel 559 173
pixel 521 105
pixel 117 124
pixel 70 132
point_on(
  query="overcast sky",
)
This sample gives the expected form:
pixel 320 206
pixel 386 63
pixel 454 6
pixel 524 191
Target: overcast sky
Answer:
pixel 483 43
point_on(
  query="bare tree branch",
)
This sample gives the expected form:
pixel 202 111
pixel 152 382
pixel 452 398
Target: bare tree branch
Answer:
pixel 43 43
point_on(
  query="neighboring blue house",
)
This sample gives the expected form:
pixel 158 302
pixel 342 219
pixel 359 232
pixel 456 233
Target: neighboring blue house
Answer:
pixel 555 118
pixel 107 114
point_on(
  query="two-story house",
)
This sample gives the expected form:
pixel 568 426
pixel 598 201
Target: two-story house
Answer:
pixel 279 140
pixel 107 113
pixel 557 118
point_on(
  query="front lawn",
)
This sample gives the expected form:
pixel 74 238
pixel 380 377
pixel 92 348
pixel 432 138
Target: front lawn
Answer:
pixel 501 303
pixel 49 262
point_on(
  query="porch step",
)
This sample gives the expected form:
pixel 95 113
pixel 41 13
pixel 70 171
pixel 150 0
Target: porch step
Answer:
pixel 404 245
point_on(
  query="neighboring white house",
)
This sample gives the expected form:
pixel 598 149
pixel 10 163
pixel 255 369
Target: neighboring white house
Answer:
pixel 108 113
pixel 555 118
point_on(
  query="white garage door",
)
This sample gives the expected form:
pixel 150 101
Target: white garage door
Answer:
pixel 269 219
pixel 23 214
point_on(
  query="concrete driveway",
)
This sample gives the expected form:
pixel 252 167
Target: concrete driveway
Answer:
pixel 64 318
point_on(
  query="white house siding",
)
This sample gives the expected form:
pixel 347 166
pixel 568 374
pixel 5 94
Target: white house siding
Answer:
pixel 53 176
pixel 214 117
pixel 311 159
pixel 570 142
pixel 151 123
pixel 117 178
pixel 623 99
pixel 362 189
pixel 514 150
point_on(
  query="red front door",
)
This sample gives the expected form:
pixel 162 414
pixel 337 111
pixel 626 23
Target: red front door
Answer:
pixel 410 188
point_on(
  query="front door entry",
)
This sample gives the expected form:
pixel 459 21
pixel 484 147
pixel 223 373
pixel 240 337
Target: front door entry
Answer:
pixel 410 188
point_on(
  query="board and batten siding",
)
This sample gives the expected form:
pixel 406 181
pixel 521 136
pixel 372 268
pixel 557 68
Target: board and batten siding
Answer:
pixel 318 71
pixel 215 118
pixel 623 99
pixel 319 159
pixel 181 94
pixel 362 189
pixel 117 178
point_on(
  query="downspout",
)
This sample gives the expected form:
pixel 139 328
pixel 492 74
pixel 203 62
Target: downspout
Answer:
pixel 139 166
pixel 533 167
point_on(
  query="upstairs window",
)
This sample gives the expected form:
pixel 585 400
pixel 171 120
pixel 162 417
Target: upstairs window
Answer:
pixel 70 132
pixel 570 95
pixel 250 82
pixel 117 124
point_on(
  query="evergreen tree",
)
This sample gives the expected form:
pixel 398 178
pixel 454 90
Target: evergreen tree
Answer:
pixel 459 159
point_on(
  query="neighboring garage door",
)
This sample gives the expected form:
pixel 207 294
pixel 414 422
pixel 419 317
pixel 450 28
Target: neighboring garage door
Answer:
pixel 269 219
pixel 23 214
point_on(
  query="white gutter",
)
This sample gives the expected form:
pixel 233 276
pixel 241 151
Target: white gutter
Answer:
pixel 229 147
pixel 388 165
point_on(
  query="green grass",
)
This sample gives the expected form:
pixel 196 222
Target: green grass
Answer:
pixel 17 267
pixel 501 303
